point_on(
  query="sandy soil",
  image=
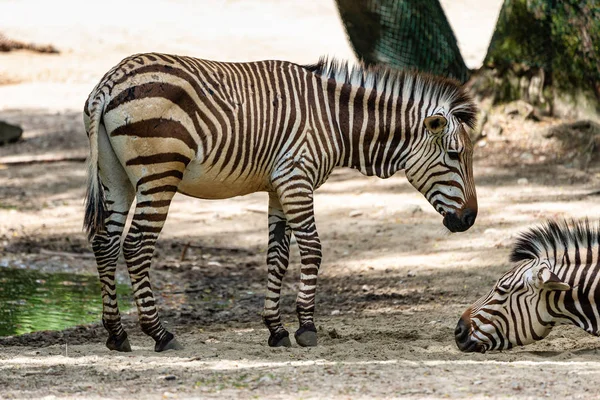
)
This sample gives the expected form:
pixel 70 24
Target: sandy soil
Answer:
pixel 392 285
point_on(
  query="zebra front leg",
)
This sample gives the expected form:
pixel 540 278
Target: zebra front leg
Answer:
pixel 298 208
pixel 138 249
pixel 277 262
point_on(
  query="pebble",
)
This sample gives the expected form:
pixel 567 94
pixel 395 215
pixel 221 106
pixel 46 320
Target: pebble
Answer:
pixel 335 312
pixel 522 181
pixel 333 333
pixel 354 213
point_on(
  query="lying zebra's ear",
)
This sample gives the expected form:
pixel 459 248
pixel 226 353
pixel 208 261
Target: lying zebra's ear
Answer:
pixel 435 123
pixel 550 281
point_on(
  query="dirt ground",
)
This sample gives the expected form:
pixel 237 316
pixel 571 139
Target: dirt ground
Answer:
pixel 393 281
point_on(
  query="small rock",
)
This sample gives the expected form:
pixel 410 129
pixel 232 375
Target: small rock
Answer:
pixel 335 312
pixel 170 378
pixel 9 133
pixel 333 334
pixel 354 213
pixel 214 263
pixel 482 143
pixel 490 231
pixel 411 274
pixel 365 288
pixel 523 181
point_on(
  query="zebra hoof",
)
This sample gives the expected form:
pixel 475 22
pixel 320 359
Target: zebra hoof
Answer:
pixel 118 344
pixel 280 339
pixel 306 336
pixel 167 343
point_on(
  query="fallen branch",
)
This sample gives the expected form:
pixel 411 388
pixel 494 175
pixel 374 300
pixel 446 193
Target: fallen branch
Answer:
pixel 256 210
pixel 66 254
pixel 41 159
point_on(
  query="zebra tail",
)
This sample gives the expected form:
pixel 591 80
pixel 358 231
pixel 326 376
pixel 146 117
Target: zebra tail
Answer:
pixel 95 206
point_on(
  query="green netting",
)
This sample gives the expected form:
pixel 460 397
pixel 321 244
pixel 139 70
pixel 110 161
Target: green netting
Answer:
pixel 403 34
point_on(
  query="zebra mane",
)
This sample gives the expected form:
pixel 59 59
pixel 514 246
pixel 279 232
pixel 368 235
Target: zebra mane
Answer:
pixel 554 239
pixel 383 78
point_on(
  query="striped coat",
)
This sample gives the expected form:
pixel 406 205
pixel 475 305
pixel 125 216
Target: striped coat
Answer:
pixel 161 124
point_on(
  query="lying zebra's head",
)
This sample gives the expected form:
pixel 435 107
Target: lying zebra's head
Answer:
pixel 514 312
pixel 441 168
pixel 554 282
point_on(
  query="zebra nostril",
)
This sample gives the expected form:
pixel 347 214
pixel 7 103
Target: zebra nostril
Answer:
pixel 468 217
pixel 458 331
pixel 462 330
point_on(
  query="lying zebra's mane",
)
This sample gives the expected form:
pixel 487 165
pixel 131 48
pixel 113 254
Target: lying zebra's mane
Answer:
pixel 383 78
pixel 555 239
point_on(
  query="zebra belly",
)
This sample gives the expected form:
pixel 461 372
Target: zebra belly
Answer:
pixel 204 182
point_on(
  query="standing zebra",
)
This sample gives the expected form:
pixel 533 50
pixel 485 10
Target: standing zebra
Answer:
pixel 555 282
pixel 160 124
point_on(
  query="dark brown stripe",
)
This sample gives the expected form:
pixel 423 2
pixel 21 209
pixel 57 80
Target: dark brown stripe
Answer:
pixel 151 217
pixel 158 159
pixel 153 177
pixel 153 204
pixel 160 189
pixel 157 128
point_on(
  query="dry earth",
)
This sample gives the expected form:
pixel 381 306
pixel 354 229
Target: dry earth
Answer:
pixel 392 285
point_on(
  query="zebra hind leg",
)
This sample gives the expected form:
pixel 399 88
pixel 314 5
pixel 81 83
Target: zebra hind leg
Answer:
pixel 277 262
pixel 106 246
pixel 298 208
pixel 151 210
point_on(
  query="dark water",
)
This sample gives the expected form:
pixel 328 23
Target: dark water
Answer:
pixel 34 301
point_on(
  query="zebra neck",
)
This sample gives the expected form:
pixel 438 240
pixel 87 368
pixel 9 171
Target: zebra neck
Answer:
pixel 370 129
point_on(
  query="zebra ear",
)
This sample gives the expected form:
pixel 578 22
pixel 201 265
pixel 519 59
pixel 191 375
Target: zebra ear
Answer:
pixel 435 123
pixel 550 281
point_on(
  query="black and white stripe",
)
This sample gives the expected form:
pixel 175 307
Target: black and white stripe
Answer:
pixel 160 124
pixel 555 282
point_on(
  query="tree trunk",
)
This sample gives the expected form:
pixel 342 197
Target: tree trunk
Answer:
pixel 546 52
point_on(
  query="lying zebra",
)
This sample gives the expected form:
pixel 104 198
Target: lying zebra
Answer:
pixel 555 282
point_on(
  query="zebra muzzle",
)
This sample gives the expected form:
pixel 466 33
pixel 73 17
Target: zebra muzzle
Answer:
pixel 460 221
pixel 462 335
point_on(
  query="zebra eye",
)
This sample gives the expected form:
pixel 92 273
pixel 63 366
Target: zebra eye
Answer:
pixel 453 155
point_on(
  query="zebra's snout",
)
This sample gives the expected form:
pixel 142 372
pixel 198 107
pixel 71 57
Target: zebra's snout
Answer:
pixel 462 331
pixel 462 335
pixel 460 221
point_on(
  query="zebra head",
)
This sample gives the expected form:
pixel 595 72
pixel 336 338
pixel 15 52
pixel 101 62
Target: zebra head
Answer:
pixel 514 313
pixel 441 168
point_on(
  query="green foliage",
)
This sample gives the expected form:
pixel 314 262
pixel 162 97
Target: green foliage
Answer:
pixel 576 39
pixel 560 37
